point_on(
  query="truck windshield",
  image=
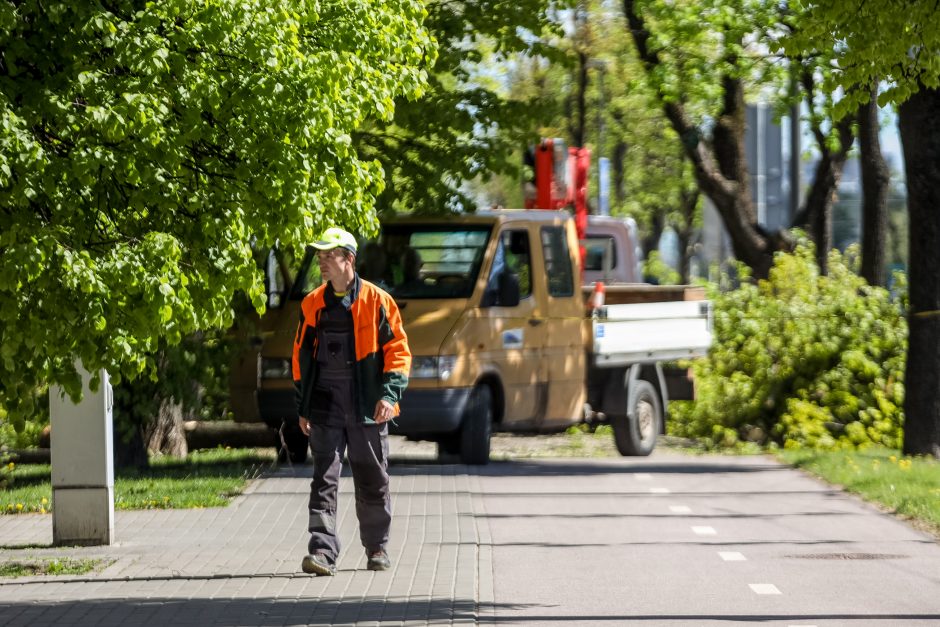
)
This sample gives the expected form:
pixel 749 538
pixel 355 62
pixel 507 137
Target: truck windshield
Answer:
pixel 425 261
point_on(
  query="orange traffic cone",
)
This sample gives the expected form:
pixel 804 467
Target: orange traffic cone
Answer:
pixel 597 297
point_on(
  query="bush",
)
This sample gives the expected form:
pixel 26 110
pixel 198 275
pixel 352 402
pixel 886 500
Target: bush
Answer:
pixel 801 360
pixel 26 434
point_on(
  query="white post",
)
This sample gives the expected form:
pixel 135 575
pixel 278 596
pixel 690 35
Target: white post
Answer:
pixel 82 465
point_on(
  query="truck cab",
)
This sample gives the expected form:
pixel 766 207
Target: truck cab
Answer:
pixel 494 307
pixel 493 314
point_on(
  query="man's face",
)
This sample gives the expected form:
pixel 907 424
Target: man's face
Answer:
pixel 334 264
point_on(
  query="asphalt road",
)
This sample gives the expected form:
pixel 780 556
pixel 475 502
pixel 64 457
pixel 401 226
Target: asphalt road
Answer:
pixel 686 540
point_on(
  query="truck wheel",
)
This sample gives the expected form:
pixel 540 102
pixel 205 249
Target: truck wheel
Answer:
pixel 476 427
pixel 448 448
pixel 635 433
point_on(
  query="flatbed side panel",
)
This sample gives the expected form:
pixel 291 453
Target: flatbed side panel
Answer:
pixel 651 332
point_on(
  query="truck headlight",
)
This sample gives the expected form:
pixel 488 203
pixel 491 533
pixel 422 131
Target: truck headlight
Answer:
pixel 433 367
pixel 276 368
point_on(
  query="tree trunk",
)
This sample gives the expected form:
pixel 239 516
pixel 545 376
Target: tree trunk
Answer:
pixel 164 434
pixel 619 163
pixel 577 103
pixel 686 230
pixel 657 225
pixel 919 122
pixel 816 214
pixel 720 169
pixel 875 180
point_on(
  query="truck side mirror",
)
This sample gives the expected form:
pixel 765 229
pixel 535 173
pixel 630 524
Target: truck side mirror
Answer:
pixel 508 289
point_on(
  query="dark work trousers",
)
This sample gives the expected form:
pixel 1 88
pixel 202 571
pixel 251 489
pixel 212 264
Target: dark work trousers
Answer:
pixel 366 447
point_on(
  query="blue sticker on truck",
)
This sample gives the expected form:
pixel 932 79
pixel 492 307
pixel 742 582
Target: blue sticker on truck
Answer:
pixel 598 330
pixel 513 338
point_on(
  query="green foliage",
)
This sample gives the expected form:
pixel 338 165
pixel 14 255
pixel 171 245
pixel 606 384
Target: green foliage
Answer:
pixel 875 41
pixel 464 127
pixel 700 43
pixel 623 121
pixel 801 360
pixel 28 436
pixel 193 373
pixel 143 147
pixel 657 270
pixel 6 471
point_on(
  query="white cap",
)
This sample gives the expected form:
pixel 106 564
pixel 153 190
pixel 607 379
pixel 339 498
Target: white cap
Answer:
pixel 335 237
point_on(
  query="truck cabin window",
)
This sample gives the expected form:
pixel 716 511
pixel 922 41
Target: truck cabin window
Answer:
pixel 512 256
pixel 595 249
pixel 422 261
pixel 557 262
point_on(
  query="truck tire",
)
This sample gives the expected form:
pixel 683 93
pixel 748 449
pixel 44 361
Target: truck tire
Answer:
pixel 476 428
pixel 635 433
pixel 448 448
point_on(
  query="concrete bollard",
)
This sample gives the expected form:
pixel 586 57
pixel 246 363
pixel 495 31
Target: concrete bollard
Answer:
pixel 82 465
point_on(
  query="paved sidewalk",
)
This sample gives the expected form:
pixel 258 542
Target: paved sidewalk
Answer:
pixel 240 565
pixel 670 539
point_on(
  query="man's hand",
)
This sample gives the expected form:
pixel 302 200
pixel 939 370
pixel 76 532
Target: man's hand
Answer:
pixel 305 425
pixel 384 411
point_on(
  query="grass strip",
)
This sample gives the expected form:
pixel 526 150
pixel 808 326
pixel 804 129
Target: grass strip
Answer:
pixel 50 566
pixel 209 478
pixel 906 486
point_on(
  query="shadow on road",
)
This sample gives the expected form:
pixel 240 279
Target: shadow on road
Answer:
pixel 262 612
pixel 258 612
pixel 559 467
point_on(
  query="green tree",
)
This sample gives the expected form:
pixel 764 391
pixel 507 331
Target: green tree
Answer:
pixel 145 146
pixel 596 95
pixel 465 126
pixel 899 43
pixel 708 54
pixel 704 60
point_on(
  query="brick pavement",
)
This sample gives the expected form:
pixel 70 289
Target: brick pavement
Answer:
pixel 240 565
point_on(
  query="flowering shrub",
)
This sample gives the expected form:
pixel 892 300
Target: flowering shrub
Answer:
pixel 801 360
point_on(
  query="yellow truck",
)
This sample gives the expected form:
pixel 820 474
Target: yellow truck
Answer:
pixel 502 330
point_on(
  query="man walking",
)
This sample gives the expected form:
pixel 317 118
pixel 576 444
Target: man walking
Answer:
pixel 351 364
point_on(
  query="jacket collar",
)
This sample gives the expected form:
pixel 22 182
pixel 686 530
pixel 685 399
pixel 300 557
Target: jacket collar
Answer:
pixel 351 295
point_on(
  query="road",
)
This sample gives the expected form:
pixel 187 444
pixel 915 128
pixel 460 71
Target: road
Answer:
pixel 692 540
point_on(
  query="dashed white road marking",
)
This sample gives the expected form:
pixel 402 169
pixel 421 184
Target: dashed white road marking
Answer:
pixel 660 490
pixel 704 531
pixel 764 588
pixel 732 556
pixel 643 476
pixel 680 509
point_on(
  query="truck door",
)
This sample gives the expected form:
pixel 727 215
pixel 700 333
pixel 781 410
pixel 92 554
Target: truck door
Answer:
pixel 517 336
pixel 564 352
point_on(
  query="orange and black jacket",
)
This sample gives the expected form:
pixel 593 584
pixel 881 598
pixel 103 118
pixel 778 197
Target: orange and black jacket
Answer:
pixel 382 356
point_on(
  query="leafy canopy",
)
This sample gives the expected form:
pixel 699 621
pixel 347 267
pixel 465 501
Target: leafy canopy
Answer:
pixel 465 126
pixel 879 40
pixel 145 146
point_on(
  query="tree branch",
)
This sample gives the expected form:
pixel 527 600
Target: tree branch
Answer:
pixel 707 172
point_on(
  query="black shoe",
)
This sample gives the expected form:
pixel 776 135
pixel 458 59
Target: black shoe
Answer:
pixel 318 564
pixel 378 560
